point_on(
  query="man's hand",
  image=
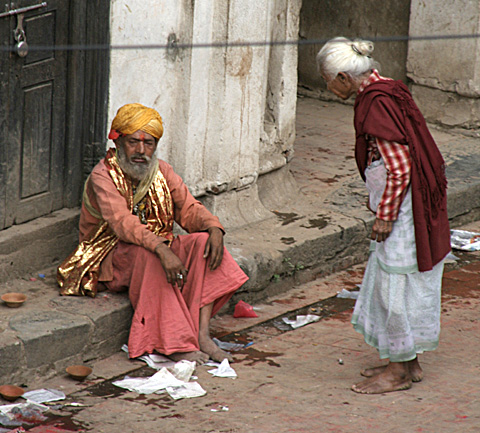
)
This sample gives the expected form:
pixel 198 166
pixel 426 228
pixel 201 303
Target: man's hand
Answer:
pixel 381 230
pixel 214 247
pixel 175 271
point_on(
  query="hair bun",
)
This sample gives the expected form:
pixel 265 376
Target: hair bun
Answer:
pixel 364 48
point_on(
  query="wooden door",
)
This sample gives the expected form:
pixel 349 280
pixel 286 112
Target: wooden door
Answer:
pixel 34 120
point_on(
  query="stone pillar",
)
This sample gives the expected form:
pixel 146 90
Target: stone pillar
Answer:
pixel 229 113
pixel 446 72
pixel 153 77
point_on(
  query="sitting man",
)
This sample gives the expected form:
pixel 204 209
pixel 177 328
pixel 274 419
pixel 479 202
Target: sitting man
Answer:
pixel 175 284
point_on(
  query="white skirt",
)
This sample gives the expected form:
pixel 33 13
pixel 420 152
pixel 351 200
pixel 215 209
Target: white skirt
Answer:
pixel 398 308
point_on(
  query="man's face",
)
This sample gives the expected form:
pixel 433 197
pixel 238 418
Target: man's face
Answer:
pixel 135 153
pixel 138 145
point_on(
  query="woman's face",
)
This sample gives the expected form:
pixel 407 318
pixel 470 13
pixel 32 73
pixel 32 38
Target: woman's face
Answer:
pixel 342 85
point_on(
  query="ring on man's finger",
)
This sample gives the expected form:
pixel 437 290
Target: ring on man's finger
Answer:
pixel 180 276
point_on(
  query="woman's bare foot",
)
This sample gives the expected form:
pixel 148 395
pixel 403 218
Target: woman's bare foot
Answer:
pixel 197 356
pixel 210 348
pixel 416 371
pixel 373 371
pixel 394 377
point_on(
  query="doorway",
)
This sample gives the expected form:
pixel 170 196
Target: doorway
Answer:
pixel 49 118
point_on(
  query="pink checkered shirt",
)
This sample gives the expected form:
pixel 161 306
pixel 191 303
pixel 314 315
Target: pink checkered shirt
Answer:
pixel 398 164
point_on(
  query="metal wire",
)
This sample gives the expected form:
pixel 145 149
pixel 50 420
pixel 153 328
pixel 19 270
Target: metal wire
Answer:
pixel 189 46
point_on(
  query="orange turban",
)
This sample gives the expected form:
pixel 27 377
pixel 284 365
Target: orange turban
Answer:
pixel 136 117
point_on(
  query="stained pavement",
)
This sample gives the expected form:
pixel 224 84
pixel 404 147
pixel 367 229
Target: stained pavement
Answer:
pixel 319 230
pixel 299 380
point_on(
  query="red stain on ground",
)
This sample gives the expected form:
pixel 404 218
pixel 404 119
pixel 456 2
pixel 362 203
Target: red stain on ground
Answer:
pixel 48 429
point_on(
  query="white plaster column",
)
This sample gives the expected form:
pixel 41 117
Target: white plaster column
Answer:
pixel 446 72
pixel 281 93
pixel 153 77
pixel 229 113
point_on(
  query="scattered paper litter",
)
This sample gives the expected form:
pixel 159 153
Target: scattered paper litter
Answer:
pixel 347 294
pixel 220 408
pixel 187 390
pixel 153 360
pixel 44 395
pixel 224 370
pixel 281 325
pixel 301 320
pixel 464 240
pixel 159 381
pixel 228 346
pixel 175 382
pixel 7 408
pixel 183 370
pixel 14 415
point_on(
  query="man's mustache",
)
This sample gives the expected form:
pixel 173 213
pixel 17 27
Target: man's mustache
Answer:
pixel 137 156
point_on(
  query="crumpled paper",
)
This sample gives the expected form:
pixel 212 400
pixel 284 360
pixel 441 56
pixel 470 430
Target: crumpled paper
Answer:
pixel 153 360
pixel 14 415
pixel 228 346
pixel 187 390
pixel 183 370
pixel 347 294
pixel 142 385
pixel 464 240
pixel 301 320
pixel 224 370
pixel 175 383
pixel 44 395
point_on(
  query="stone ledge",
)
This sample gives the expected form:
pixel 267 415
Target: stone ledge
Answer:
pixel 38 244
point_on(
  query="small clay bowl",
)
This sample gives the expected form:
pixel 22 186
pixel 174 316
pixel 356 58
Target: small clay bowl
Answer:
pixel 14 300
pixel 78 372
pixel 11 392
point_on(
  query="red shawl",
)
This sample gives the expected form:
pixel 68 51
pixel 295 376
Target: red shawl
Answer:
pixel 385 109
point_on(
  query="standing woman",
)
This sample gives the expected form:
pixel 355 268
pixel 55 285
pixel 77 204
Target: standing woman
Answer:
pixel 398 308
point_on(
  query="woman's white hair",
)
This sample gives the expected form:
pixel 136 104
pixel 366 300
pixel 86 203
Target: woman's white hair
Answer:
pixel 344 55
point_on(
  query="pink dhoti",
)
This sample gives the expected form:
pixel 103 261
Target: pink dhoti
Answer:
pixel 166 319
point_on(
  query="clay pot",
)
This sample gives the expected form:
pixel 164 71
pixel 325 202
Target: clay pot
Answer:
pixel 11 392
pixel 78 372
pixel 14 300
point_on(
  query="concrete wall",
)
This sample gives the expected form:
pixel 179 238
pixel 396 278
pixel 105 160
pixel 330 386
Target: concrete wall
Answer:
pixel 325 19
pixel 229 113
pixel 446 73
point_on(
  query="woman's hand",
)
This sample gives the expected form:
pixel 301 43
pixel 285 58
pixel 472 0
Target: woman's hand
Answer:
pixel 368 205
pixel 381 230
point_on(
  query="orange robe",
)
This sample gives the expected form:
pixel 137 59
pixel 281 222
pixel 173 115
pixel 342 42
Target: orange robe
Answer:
pixel 166 319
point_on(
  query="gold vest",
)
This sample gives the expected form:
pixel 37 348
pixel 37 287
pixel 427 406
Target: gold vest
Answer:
pixel 78 274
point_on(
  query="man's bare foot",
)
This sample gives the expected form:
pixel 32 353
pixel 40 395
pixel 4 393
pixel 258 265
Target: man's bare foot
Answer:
pixel 197 356
pixel 209 347
pixel 394 377
pixel 416 371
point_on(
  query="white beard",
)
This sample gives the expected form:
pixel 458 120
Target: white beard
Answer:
pixel 137 171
